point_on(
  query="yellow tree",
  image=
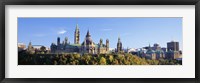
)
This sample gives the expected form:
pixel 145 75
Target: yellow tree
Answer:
pixel 102 61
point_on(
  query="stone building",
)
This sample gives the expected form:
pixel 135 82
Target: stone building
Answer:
pixel 150 54
pixel 154 52
pixel 119 45
pixel 87 46
pixel 174 46
pixel 173 54
pixel 21 47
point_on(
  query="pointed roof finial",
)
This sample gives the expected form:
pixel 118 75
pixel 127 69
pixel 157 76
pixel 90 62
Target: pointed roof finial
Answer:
pixel 77 27
pixel 119 38
pixel 149 45
pixel 30 43
pixel 88 33
pixel 107 39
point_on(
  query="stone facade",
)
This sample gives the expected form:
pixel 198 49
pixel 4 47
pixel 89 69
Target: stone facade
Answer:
pixel 87 46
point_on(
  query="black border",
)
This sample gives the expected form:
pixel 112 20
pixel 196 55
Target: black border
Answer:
pixel 97 2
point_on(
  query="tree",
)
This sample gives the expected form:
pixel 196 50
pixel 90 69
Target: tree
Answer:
pixel 115 62
pixel 102 61
pixel 42 52
pixel 55 62
pixel 111 58
pixel 43 49
pixel 76 56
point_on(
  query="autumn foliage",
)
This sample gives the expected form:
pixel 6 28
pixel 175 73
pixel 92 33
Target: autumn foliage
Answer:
pixel 89 59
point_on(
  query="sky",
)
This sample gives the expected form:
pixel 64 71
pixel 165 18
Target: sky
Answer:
pixel 134 32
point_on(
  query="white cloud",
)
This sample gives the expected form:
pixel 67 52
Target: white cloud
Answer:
pixel 111 49
pixel 62 31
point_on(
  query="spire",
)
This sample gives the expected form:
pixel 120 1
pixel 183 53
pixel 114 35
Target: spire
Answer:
pixel 77 27
pixel 119 39
pixel 119 45
pixel 30 43
pixel 58 41
pixel 149 46
pixel 101 42
pixel 88 33
pixel 107 40
pixel 101 39
pixel 30 46
pixel 66 40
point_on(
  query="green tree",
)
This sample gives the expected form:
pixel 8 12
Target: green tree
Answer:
pixel 43 49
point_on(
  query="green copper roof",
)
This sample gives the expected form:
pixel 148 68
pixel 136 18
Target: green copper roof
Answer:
pixel 75 44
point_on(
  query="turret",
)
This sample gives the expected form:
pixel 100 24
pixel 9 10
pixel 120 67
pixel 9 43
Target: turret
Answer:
pixel 88 34
pixel 58 41
pixel 107 45
pixel 66 40
pixel 101 42
pixel 29 46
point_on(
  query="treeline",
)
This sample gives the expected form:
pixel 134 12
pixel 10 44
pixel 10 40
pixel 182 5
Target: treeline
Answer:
pixel 25 58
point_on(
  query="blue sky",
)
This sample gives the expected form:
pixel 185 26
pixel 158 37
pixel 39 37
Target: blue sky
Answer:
pixel 134 32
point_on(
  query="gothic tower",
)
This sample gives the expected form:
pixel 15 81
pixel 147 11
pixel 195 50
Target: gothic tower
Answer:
pixel 66 40
pixel 101 42
pixel 76 35
pixel 88 45
pixel 107 45
pixel 30 47
pixel 58 43
pixel 119 45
